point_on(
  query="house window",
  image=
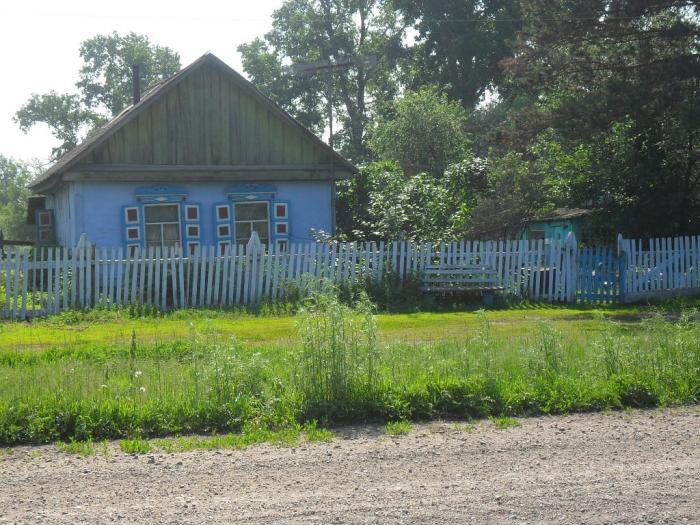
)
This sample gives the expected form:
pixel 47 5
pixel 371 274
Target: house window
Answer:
pixel 44 219
pixel 162 224
pixel 252 217
pixel 281 228
pixel 193 231
pixel 535 235
pixel 224 230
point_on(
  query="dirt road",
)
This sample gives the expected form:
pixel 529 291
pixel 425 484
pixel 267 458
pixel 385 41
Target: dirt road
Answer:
pixel 631 467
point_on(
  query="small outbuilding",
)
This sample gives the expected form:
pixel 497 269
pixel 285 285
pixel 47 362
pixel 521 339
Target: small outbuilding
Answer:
pixel 557 224
pixel 201 158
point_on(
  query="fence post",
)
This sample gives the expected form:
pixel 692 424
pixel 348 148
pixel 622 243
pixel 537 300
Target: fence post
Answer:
pixel 571 267
pixel 622 265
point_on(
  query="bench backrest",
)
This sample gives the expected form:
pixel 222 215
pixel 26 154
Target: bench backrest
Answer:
pixel 458 275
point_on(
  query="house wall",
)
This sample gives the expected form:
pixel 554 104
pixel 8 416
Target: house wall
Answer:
pixel 98 208
pixel 553 229
pixel 61 204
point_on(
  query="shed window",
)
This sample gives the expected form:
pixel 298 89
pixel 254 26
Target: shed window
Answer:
pixel 162 225
pixel 252 217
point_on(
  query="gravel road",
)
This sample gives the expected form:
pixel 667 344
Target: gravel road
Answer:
pixel 622 467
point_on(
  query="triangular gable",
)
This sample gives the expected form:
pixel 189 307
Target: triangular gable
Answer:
pixel 205 115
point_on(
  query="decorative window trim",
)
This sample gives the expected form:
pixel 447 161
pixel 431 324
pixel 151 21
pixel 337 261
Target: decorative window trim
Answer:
pixel 44 214
pixel 160 194
pixel 281 245
pixel 45 235
pixel 220 207
pixel 251 192
pixel 189 207
pixel 222 246
pixel 226 233
pixel 126 214
pixel 284 205
pixel 132 249
pixel 192 247
pixel 284 226
pixel 129 238
pixel 189 228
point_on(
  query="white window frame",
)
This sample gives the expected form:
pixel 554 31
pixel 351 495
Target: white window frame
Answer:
pixel 228 212
pixel 138 234
pixel 286 228
pixel 126 215
pixel 286 210
pixel 187 230
pixel 45 213
pixel 236 221
pixel 179 224
pixel 194 207
pixel 218 230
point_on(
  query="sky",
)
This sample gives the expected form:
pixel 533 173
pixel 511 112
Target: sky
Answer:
pixel 39 42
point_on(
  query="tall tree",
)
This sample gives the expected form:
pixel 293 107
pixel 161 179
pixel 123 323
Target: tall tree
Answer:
pixel 460 44
pixel 14 178
pixel 329 30
pixel 104 88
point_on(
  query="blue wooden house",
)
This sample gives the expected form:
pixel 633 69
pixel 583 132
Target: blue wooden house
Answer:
pixel 202 158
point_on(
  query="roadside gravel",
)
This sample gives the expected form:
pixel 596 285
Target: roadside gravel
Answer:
pixel 621 467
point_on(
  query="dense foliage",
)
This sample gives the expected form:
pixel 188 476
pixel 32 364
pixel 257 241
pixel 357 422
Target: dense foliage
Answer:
pixel 14 177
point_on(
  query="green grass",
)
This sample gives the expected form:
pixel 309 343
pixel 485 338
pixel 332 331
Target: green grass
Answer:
pixel 84 448
pixel 135 446
pixel 504 422
pixel 397 428
pixel 335 365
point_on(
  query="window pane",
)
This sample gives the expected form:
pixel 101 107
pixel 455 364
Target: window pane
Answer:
pixel 247 211
pixel 153 234
pixel 242 231
pixel 261 229
pixel 166 213
pixel 171 234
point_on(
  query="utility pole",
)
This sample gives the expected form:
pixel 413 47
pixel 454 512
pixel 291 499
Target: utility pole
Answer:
pixel 329 67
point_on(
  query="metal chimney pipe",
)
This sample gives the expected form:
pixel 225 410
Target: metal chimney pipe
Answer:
pixel 136 82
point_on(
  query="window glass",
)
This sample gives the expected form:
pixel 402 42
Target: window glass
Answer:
pixel 162 225
pixel 159 213
pixel 252 217
pixel 251 211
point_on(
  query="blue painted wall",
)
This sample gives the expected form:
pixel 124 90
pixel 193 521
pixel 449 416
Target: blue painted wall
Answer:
pixel 96 208
pixel 554 229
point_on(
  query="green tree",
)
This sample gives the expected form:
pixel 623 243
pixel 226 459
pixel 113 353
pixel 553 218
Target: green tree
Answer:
pixel 104 88
pixel 621 79
pixel 422 131
pixel 14 178
pixel 460 44
pixel 329 30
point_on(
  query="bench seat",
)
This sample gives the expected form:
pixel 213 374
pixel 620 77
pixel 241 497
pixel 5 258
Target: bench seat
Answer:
pixel 476 279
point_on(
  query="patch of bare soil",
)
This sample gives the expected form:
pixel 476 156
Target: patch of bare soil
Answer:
pixel 623 467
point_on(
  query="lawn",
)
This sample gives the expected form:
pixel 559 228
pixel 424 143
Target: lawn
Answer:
pixel 116 327
pixel 97 375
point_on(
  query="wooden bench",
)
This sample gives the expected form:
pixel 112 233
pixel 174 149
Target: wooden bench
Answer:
pixel 468 279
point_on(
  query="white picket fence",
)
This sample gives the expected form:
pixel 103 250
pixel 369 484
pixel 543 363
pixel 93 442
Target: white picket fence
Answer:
pixel 48 280
pixel 659 267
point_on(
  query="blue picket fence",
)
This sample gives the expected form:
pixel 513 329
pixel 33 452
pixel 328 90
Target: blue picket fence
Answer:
pixel 599 276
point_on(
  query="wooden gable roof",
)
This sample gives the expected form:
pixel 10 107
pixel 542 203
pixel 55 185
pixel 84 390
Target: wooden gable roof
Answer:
pixel 206 119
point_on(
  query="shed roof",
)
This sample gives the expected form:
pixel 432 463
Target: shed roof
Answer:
pixel 565 213
pixel 156 92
